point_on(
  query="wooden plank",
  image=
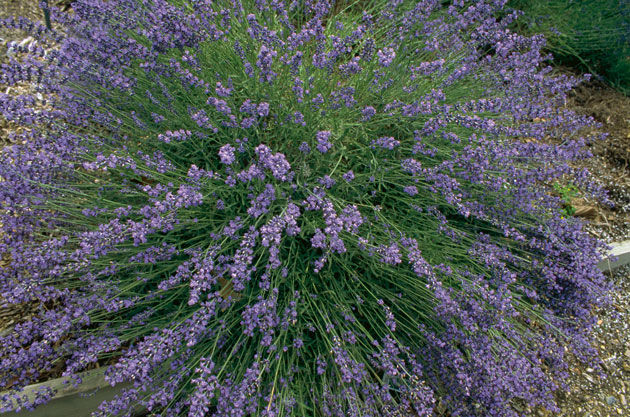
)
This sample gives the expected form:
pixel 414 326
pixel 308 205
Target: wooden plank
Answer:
pixel 620 250
pixel 71 401
pixel 90 380
pixel 74 405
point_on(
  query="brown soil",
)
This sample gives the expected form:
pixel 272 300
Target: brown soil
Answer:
pixel 26 8
pixel 610 165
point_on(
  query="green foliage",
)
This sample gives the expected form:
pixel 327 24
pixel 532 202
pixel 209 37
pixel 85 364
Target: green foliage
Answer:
pixel 567 192
pixel 593 35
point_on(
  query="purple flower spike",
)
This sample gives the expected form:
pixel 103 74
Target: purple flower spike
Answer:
pixel 323 145
pixel 226 153
pixel 305 148
pixel 386 56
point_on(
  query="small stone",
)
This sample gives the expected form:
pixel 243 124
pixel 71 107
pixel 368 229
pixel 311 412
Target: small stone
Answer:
pixel 622 400
pixel 590 370
pixel 610 400
pixel 26 41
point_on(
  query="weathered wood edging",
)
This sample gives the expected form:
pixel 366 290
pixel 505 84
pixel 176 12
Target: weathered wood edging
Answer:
pixel 621 251
pixel 80 401
pixel 70 401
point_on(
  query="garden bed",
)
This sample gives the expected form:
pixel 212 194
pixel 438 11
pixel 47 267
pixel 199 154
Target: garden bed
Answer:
pixel 601 396
pixel 610 165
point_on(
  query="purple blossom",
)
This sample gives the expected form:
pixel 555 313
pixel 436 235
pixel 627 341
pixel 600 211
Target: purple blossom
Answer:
pixel 326 181
pixel 179 135
pixel 291 215
pixel 251 173
pixel 264 63
pixel 386 142
pixel 411 190
pixel 260 204
pixel 248 107
pixel 263 109
pixel 319 239
pixel 248 122
pixel 351 218
pixel 390 254
pixel 262 316
pixel 368 112
pixel 323 145
pixel 345 95
pixel 351 67
pixel 223 91
pixel 305 148
pixel 226 153
pixel 276 163
pixel 318 100
pixel 298 118
pixel 201 118
pixel 351 370
pixel 386 56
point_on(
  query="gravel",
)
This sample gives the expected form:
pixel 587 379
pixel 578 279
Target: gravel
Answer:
pixel 592 394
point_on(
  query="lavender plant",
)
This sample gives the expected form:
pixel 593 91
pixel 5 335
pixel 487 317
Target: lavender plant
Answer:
pixel 306 209
pixel 590 35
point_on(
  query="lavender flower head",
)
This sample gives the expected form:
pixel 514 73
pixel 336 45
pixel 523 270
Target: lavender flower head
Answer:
pixel 323 144
pixel 226 153
pixel 386 56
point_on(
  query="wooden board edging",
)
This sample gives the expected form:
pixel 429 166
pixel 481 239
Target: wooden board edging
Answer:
pixel 71 401
pixel 620 250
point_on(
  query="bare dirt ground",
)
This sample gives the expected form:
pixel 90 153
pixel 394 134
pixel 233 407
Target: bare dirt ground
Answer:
pixel 610 165
pixel 26 8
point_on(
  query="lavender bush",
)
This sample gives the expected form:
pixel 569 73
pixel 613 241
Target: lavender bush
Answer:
pixel 309 209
